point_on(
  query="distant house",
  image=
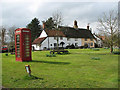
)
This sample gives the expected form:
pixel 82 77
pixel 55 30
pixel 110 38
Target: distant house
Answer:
pixel 67 35
pixel 99 40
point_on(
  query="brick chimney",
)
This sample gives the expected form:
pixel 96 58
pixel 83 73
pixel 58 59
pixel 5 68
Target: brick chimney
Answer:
pixel 43 25
pixel 75 24
pixel 88 27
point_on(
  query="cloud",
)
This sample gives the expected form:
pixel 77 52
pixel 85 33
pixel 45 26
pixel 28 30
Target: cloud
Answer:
pixel 21 13
pixel 10 1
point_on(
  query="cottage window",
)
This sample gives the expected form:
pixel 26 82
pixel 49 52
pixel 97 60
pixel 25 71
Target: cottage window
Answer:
pixel 85 44
pixel 45 48
pixel 50 44
pixel 91 44
pixel 76 44
pixel 55 44
pixel 55 38
pixel 85 39
pixel 91 39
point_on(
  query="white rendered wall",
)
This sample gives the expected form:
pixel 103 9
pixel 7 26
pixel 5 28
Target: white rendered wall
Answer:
pixel 36 47
pixel 44 44
pixel 73 41
pixel 43 34
pixel 52 41
pixel 98 41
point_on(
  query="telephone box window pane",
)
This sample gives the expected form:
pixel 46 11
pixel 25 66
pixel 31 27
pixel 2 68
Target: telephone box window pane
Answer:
pixel 18 55
pixel 27 44
pixel 18 35
pixel 26 41
pixel 27 38
pixel 27 52
pixel 17 39
pixel 27 55
pixel 18 50
pixel 18 45
pixel 26 49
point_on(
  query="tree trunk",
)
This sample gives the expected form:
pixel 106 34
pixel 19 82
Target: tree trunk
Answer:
pixel 57 43
pixel 111 47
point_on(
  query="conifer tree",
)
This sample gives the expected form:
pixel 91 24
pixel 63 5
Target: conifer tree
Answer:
pixel 35 28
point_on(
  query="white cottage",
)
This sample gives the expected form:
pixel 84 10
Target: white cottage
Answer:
pixel 99 40
pixel 66 35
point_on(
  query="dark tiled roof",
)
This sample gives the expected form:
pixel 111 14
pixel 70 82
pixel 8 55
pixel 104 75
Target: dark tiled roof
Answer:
pixel 39 40
pixel 66 32
pixel 54 33
pixel 76 33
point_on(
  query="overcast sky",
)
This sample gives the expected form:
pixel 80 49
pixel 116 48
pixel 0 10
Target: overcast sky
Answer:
pixel 21 12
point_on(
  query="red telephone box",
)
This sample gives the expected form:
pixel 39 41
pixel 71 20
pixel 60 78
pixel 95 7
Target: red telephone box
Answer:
pixel 23 44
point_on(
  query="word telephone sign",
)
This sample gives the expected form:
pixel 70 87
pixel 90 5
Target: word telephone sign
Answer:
pixel 23 44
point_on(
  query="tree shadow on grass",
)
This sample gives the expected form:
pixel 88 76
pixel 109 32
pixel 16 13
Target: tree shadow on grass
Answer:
pixel 61 63
pixel 32 77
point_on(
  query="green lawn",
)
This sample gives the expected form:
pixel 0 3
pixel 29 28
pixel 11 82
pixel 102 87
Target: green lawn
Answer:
pixel 74 70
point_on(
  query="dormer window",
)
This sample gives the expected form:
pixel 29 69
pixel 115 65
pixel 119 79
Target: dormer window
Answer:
pixel 55 38
pixel 91 39
pixel 85 39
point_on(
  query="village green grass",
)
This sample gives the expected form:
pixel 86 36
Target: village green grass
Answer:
pixel 74 70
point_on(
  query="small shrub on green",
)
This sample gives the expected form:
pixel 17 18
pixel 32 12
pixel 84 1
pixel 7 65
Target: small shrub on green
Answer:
pixel 95 58
pixel 116 52
pixel 106 48
pixel 6 54
pixel 50 55
pixel 54 55
pixel 47 55
pixel 96 49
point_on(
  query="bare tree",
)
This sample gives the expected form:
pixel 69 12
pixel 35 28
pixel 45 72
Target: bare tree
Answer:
pixel 58 19
pixel 108 24
pixel 11 36
pixel 2 35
